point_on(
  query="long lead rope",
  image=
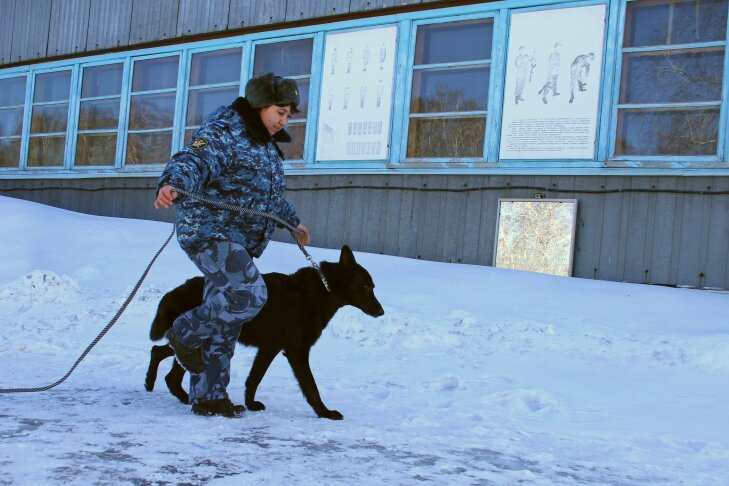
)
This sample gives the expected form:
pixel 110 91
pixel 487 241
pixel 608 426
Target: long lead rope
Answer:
pixel 131 295
pixel 103 331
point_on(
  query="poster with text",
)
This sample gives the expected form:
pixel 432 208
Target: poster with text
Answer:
pixel 552 86
pixel 356 95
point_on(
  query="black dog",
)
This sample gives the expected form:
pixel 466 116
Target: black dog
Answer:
pixel 298 309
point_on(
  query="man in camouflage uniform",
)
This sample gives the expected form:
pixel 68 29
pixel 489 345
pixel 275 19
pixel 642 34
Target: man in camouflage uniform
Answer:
pixel 233 159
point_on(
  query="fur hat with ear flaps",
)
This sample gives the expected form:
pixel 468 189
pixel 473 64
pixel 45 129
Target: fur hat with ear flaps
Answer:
pixel 269 89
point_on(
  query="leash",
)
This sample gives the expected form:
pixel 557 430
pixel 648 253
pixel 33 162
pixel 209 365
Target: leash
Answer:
pixel 133 292
pixel 255 212
pixel 103 332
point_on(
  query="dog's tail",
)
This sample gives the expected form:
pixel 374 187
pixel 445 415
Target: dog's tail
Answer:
pixel 162 321
pixel 181 299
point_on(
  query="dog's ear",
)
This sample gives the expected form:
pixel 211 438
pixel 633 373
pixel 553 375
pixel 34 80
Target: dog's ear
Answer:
pixel 346 258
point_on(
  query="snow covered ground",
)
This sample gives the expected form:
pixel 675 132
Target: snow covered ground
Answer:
pixel 474 375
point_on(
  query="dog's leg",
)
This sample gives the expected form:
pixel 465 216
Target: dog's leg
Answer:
pixel 157 355
pixel 174 382
pixel 299 361
pixel 260 365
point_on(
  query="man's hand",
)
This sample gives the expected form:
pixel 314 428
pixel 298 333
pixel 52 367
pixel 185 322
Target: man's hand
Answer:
pixel 165 196
pixel 302 234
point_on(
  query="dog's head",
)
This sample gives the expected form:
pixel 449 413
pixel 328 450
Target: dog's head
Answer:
pixel 356 285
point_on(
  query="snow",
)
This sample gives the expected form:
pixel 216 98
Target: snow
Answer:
pixel 474 375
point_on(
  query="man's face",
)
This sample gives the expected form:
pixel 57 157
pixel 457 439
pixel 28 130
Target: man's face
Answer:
pixel 275 118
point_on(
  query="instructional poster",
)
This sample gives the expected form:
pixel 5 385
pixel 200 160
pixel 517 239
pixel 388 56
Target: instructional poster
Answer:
pixel 552 85
pixel 356 97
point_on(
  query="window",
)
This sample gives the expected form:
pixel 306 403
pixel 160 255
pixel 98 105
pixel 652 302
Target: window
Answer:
pixel 290 59
pixel 152 111
pixel 214 82
pixel 12 108
pixel 98 119
pixel 449 98
pixel 49 119
pixel 671 81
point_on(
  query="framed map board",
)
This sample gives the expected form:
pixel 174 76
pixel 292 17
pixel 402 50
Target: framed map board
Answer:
pixel 537 235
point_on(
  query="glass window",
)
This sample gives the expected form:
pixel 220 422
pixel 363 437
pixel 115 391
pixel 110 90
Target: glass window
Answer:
pixel 98 119
pixel 671 79
pixel 12 108
pixel 49 119
pixel 214 82
pixel 152 111
pixel 291 59
pixel 449 97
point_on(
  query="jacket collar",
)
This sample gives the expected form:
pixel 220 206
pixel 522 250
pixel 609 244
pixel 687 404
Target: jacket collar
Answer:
pixel 255 126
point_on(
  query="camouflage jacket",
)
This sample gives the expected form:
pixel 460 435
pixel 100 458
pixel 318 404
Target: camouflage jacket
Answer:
pixel 231 159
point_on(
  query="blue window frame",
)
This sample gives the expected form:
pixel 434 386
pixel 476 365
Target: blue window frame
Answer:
pixel 12 111
pixel 290 59
pixel 449 92
pixel 671 79
pixel 213 81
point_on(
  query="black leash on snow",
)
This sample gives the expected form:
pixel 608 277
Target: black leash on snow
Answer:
pixel 128 300
pixel 103 331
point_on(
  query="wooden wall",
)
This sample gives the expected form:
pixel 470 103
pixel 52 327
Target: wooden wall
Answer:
pixel 658 230
pixel 41 29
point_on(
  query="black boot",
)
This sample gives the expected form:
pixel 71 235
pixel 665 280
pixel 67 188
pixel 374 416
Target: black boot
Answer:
pixel 189 358
pixel 222 407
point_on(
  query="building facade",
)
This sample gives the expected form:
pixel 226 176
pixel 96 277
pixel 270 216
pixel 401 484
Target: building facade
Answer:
pixel 419 118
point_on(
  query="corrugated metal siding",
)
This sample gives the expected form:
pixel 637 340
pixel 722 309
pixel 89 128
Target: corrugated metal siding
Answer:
pixel 315 9
pixel 199 17
pixel 247 13
pixel 367 5
pixel 69 27
pixel 7 17
pixel 30 30
pixel 36 29
pixel 153 21
pixel 109 24
pixel 645 237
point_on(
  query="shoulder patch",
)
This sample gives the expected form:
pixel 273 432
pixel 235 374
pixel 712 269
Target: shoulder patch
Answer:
pixel 198 144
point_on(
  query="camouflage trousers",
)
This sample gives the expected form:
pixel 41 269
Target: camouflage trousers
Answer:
pixel 234 293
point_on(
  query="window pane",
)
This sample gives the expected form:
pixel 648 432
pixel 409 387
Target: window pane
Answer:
pixel 102 81
pixel 9 152
pixel 660 22
pixel 284 58
pixel 98 149
pixel 149 148
pixel 46 151
pixel 454 42
pixel 202 102
pixel 188 135
pixel 95 115
pixel 667 132
pixel 303 85
pixel 52 87
pixel 295 149
pixel 12 91
pixel 49 118
pixel 446 137
pixel 445 90
pixel 155 74
pixel 152 111
pixel 657 77
pixel 11 121
pixel 215 67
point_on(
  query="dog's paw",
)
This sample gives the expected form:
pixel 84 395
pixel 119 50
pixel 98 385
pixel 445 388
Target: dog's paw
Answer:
pixel 331 414
pixel 255 406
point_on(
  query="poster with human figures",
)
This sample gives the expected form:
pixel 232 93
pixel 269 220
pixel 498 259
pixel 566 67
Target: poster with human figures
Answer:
pixel 552 86
pixel 356 95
